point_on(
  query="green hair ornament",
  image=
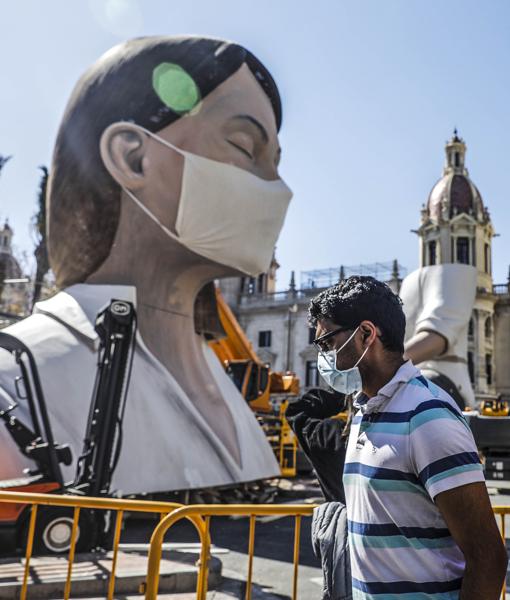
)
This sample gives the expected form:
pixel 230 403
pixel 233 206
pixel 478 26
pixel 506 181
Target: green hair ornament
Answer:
pixel 175 88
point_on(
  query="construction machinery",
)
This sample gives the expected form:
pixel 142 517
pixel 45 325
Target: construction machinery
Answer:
pixel 267 392
pixel 491 430
pixel 116 328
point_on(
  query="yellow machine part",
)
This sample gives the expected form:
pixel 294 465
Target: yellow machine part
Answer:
pixel 495 408
pixel 288 445
pixel 281 438
pixel 284 383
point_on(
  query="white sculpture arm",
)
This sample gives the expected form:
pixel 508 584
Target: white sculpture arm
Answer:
pixel 425 345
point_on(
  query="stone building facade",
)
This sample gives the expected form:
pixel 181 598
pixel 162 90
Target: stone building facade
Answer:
pixel 455 227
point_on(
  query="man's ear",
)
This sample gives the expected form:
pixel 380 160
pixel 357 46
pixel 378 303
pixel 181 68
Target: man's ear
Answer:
pixel 368 331
pixel 122 147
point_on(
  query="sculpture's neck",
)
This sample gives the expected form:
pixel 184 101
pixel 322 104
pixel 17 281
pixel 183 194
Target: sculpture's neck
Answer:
pixel 167 281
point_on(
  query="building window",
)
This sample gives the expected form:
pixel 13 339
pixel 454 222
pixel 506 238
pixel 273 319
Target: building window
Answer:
pixel 432 252
pixel 311 334
pixel 249 285
pixel 463 250
pixel 471 329
pixel 488 368
pixel 311 374
pixel 264 339
pixel 471 367
pixel 457 159
pixel 488 328
pixel 487 258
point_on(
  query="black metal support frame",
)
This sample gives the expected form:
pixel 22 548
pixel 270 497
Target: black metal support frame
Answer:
pixel 116 327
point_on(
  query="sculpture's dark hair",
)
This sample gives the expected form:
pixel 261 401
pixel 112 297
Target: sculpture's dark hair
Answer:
pixel 83 202
pixel 361 298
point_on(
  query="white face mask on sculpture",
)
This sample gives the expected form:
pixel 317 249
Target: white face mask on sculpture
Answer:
pixel 225 213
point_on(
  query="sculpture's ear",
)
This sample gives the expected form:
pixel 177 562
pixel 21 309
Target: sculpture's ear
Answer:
pixel 122 147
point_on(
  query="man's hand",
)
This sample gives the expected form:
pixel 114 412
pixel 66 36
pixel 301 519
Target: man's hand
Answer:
pixel 468 514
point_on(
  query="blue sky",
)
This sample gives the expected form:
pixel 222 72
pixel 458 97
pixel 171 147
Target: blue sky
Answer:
pixel 371 91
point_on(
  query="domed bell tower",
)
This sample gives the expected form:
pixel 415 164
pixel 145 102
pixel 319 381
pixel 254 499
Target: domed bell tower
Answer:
pixel 456 228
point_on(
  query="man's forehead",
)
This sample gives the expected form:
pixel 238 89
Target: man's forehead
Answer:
pixel 325 325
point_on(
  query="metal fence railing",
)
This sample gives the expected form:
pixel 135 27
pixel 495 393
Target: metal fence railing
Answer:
pixel 78 503
pixel 502 512
pixel 204 512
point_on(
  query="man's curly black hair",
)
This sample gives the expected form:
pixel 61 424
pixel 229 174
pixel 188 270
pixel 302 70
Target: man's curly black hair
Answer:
pixel 361 298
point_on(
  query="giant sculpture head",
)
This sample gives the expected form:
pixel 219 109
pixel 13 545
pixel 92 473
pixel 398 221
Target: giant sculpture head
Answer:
pixel 208 97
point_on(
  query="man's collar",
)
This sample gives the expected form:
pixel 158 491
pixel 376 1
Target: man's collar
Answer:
pixel 405 373
pixel 77 306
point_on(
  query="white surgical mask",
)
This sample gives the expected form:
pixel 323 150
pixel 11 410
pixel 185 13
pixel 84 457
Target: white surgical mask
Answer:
pixel 347 381
pixel 225 213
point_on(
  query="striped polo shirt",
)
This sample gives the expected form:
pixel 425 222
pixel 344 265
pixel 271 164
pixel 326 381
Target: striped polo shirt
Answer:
pixel 406 445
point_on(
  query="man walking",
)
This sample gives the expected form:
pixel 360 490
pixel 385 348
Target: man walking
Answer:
pixel 420 521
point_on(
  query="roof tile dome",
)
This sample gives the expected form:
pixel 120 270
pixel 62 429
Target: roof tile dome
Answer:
pixel 455 193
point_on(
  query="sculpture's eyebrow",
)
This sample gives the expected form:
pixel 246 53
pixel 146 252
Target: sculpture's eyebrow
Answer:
pixel 257 124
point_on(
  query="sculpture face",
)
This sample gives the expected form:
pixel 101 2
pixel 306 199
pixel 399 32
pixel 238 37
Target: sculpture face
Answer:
pixel 235 124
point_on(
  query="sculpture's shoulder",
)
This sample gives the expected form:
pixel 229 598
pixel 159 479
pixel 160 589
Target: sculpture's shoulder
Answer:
pixel 53 345
pixel 42 332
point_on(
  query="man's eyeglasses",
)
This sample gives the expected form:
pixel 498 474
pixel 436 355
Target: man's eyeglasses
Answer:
pixel 319 342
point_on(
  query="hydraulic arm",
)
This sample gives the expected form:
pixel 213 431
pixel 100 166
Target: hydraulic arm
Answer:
pixel 116 328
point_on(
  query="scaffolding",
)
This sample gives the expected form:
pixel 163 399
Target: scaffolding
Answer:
pixel 323 278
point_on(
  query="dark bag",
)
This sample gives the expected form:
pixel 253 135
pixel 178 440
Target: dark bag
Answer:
pixel 330 545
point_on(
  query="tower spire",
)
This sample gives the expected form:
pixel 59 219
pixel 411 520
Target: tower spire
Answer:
pixel 395 273
pixel 455 150
pixel 292 284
